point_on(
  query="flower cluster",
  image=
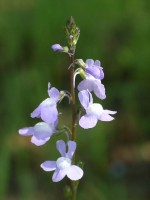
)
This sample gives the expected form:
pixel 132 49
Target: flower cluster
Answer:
pixel 92 75
pixel 47 111
pixel 42 131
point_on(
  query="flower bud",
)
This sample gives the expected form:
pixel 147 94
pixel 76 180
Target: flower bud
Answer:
pixel 64 94
pixel 57 47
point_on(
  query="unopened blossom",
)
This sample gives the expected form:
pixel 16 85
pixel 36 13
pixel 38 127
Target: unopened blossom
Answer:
pixel 40 133
pixel 57 47
pixel 47 110
pixel 63 165
pixel 94 111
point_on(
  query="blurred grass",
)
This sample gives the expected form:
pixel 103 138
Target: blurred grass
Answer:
pixel 117 33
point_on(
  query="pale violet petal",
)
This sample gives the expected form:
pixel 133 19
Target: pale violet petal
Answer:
pixel 54 125
pixel 48 166
pixel 94 71
pixel 71 149
pixel 27 131
pixel 54 94
pixel 101 73
pixel 84 98
pixel 49 114
pixel 58 175
pixel 90 62
pixel 95 109
pixel 99 90
pixel 93 84
pixel 36 112
pixel 90 97
pixel 61 146
pixel 49 111
pixel 86 84
pixel 48 102
pixel 74 172
pixel 88 121
pixel 110 112
pixel 42 130
pixel 105 115
pixel 97 63
pixel 39 142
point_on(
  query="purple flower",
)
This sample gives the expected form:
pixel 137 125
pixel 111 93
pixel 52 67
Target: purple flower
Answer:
pixel 92 84
pixel 40 133
pixel 94 69
pixel 57 47
pixel 47 110
pixel 92 74
pixel 94 111
pixel 63 165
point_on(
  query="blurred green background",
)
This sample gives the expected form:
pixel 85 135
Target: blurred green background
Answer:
pixel 116 154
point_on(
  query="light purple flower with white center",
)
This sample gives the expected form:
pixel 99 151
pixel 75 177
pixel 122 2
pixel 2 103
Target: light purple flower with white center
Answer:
pixel 94 68
pixel 63 165
pixel 57 47
pixel 92 84
pixel 47 110
pixel 94 111
pixel 40 133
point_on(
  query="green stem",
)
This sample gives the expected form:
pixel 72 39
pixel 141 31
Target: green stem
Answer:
pixel 73 97
pixel 73 107
pixel 74 190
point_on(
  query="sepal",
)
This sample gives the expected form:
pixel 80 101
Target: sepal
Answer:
pixel 64 94
pixel 78 71
pixel 81 63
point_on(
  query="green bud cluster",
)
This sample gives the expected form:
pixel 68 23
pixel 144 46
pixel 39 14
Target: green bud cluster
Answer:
pixel 72 32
